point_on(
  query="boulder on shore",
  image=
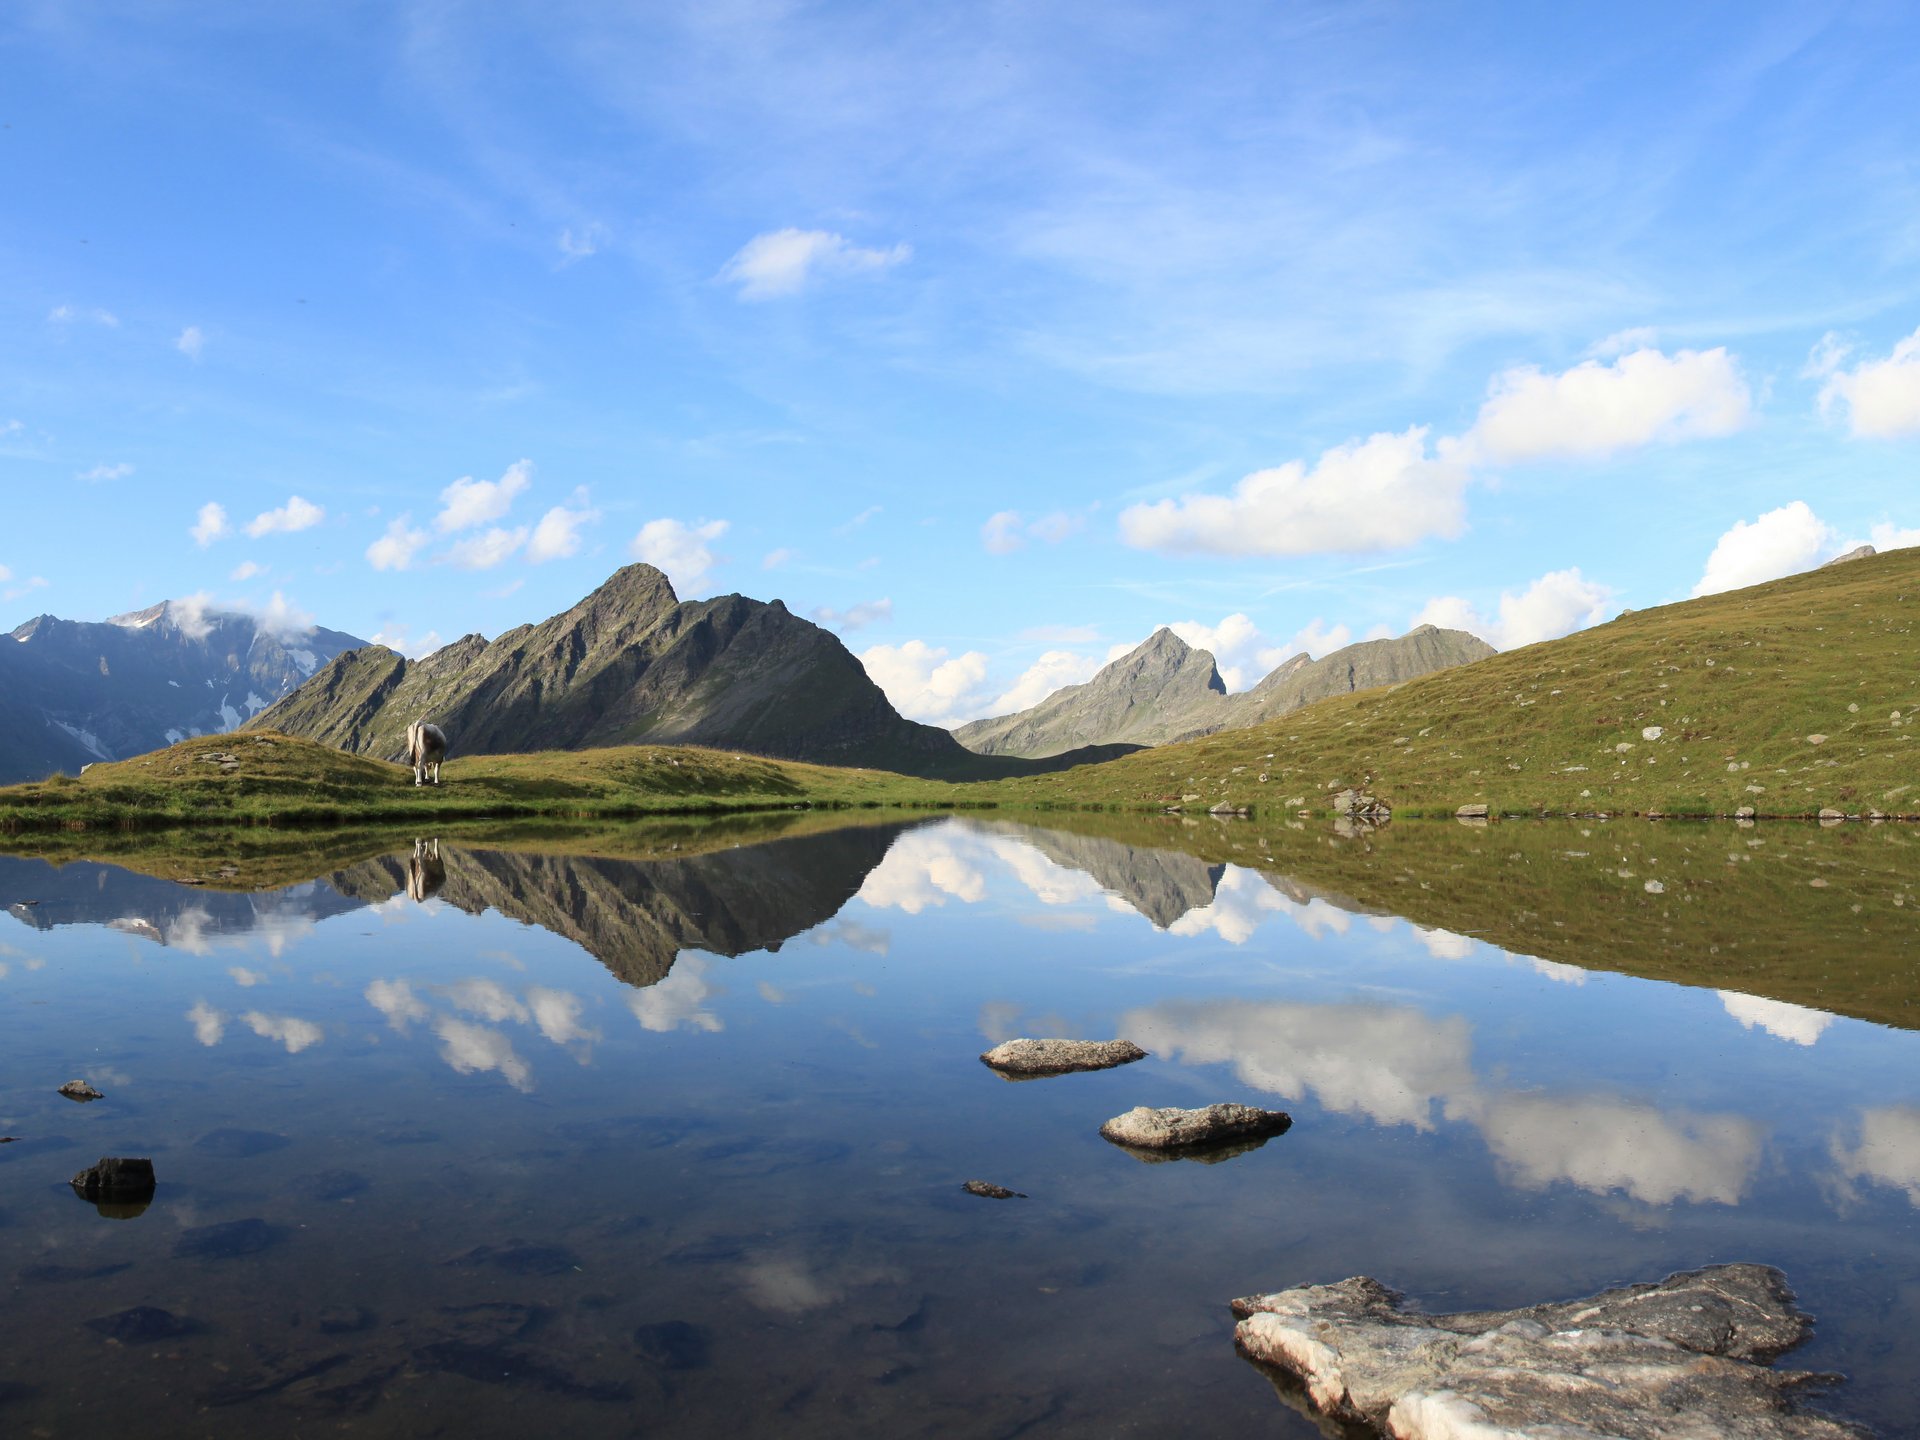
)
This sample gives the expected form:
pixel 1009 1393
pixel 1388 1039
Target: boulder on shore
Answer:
pixel 1471 812
pixel 1060 1057
pixel 1148 1128
pixel 1685 1357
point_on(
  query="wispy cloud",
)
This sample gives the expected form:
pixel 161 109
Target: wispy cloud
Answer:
pixel 786 262
pixel 119 470
pixel 192 342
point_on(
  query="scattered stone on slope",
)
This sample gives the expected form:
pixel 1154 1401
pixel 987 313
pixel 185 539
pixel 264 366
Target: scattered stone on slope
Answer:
pixel 1359 805
pixel 1060 1057
pixel 1168 1129
pixel 987 1190
pixel 1683 1358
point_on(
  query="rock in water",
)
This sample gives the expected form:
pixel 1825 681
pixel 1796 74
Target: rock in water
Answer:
pixel 1686 1357
pixel 1060 1057
pixel 80 1090
pixel 986 1190
pixel 116 1178
pixel 1146 1128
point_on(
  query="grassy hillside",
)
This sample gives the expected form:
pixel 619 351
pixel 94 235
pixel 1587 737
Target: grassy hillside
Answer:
pixel 1788 697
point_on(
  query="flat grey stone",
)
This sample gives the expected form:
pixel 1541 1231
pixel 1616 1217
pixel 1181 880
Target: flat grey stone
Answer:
pixel 1060 1057
pixel 1678 1360
pixel 1147 1128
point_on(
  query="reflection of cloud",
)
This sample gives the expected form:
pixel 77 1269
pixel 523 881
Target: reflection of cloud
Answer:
pixel 289 1030
pixel 395 1000
pixel 474 1049
pixel 1050 883
pixel 1444 944
pixel 1796 1023
pixel 246 978
pixel 188 931
pixel 1242 901
pixel 208 1023
pixel 1558 973
pixel 557 1014
pixel 786 1286
pixel 998 1019
pixel 488 999
pixel 277 930
pixel 1604 1143
pixel 675 1002
pixel 853 935
pixel 1888 1152
pixel 772 994
pixel 1389 1063
pixel 922 868
pixel 1394 1064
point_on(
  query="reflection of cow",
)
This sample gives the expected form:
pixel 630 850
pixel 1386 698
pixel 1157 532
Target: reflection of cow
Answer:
pixel 426 871
pixel 426 748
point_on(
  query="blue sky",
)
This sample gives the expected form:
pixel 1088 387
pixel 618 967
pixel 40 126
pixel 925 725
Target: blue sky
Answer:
pixel 993 336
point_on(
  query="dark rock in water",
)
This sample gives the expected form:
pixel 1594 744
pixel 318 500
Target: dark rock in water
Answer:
pixel 9 1139
pixel 344 1320
pixel 333 1185
pixel 1686 1357
pixel 516 1257
pixel 61 1274
pixel 80 1090
pixel 1147 1128
pixel 1060 1057
pixel 122 1180
pixel 228 1240
pixel 144 1325
pixel 232 1144
pixel 512 1365
pixel 674 1345
pixel 989 1191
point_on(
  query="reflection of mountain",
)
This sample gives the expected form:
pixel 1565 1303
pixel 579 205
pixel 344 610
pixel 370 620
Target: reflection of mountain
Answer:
pixel 1162 885
pixel 87 893
pixel 636 917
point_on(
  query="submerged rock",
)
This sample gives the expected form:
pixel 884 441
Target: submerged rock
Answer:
pixel 228 1240
pixel 1683 1358
pixel 986 1190
pixel 144 1325
pixel 1060 1057
pixel 1147 1128
pixel 674 1344
pixel 80 1090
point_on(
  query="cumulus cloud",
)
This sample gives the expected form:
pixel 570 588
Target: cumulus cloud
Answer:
pixel 1556 604
pixel 211 526
pixel 1881 397
pixel 208 1023
pixel 191 343
pixel 785 262
pixel 1595 410
pixel 1887 1152
pixel 679 549
pixel 395 1000
pixel 1381 493
pixel 1888 536
pixel 395 549
pixel 855 617
pixel 1780 542
pixel 487 549
pixel 925 682
pixel 1054 670
pixel 677 1002
pixel 557 535
pixel 279 617
pixel 468 502
pixel 119 470
pixel 922 869
pixel 291 1031
pixel 475 1049
pixel 401 638
pixel 296 514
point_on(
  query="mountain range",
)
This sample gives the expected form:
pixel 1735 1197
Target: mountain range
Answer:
pixel 72 692
pixel 1166 690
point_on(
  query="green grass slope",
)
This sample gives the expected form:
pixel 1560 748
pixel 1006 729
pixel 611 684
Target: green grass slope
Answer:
pixel 1790 697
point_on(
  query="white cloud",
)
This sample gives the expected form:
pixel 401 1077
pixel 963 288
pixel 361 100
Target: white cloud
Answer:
pixel 557 1014
pixel 474 1049
pixel 119 470
pixel 246 570
pixel 1596 410
pixel 925 683
pixel 294 1033
pixel 395 1000
pixel 395 549
pixel 211 526
pixel 192 614
pixel 679 549
pixel 68 315
pixel 1009 530
pixel 279 617
pixel 1781 542
pixel 675 1002
pixel 1380 493
pixel 579 244
pixel 1053 671
pixel 1601 1143
pixel 924 868
pixel 1796 1023
pixel 557 535
pixel 855 617
pixel 208 1023
pixel 1318 639
pixel 1001 533
pixel 296 514
pixel 468 502
pixel 785 262
pixel 488 999
pixel 1882 396
pixel 400 638
pixel 191 343
pixel 1888 1152
pixel 246 979
pixel 25 587
pixel 1556 604
pixel 1888 536
pixel 487 549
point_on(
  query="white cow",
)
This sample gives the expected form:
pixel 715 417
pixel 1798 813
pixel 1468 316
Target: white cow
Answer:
pixel 426 748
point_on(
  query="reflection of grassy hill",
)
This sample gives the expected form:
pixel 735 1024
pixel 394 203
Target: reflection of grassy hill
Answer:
pixel 1824 918
pixel 1736 684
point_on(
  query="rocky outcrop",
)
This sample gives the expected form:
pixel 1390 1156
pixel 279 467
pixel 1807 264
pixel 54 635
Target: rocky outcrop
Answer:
pixel 73 692
pixel 1167 1129
pixel 1859 552
pixel 1026 1057
pixel 1681 1359
pixel 1166 690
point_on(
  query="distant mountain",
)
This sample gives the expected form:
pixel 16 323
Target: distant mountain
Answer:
pixel 74 691
pixel 1166 690
pixel 630 664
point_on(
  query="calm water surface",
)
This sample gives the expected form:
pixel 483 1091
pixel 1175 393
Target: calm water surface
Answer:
pixel 501 1143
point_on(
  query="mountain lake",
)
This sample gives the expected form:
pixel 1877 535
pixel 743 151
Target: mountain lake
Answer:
pixel 473 1137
